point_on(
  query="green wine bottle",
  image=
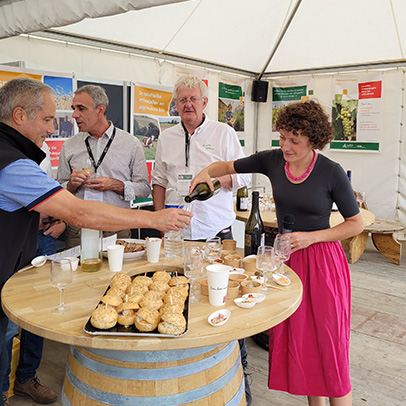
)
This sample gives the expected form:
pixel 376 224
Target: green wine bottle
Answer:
pixel 254 228
pixel 242 199
pixel 203 192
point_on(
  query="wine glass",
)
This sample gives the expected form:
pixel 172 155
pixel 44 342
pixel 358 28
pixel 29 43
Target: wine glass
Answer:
pixel 265 262
pixel 361 196
pixel 282 248
pixel 60 277
pixel 212 249
pixel 193 266
pixel 87 166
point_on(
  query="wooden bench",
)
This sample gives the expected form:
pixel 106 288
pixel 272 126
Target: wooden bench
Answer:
pixel 382 233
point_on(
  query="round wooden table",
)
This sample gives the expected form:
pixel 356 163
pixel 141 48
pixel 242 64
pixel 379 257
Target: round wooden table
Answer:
pixel 353 247
pixel 204 363
pixel 269 217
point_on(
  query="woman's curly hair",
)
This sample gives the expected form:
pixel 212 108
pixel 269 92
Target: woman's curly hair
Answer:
pixel 310 119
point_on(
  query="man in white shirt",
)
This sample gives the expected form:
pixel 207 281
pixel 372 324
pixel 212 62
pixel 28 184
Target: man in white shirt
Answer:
pixel 185 149
pixel 182 152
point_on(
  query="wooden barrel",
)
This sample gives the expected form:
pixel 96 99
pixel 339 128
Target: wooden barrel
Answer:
pixel 204 376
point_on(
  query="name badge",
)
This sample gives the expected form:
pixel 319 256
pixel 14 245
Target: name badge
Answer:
pixel 94 195
pixel 183 183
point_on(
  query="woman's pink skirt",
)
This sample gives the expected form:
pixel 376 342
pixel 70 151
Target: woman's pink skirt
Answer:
pixel 309 352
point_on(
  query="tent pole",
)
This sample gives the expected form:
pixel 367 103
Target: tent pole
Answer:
pixel 280 37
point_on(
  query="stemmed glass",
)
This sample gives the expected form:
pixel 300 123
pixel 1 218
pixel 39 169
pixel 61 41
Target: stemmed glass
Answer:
pixel 282 250
pixel 60 277
pixel 212 249
pixel 265 262
pixel 361 196
pixel 193 267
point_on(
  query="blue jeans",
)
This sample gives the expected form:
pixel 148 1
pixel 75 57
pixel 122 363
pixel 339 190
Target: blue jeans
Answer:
pixel 31 347
pixel 46 244
pixel 4 359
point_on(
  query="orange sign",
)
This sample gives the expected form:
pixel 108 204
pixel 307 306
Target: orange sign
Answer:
pixel 5 76
pixel 151 101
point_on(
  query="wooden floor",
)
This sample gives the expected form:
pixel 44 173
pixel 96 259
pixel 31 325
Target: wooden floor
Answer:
pixel 378 342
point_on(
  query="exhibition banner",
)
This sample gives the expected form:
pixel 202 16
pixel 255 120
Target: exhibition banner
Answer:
pixel 285 92
pixel 63 87
pixel 357 112
pixel 231 102
pixel 153 111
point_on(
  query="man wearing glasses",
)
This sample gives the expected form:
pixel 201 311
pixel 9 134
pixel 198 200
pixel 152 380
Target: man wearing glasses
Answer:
pixel 185 149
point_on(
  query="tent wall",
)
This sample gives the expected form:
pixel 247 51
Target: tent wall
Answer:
pixel 376 173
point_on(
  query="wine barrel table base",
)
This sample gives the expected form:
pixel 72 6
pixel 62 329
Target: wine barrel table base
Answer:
pixel 203 376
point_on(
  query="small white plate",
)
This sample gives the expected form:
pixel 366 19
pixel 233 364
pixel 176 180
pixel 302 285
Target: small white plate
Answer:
pixel 282 280
pixel 256 278
pixel 258 297
pixel 245 303
pixel 237 270
pixel 130 256
pixel 225 313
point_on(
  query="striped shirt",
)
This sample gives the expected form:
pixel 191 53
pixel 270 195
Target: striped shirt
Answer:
pixel 124 161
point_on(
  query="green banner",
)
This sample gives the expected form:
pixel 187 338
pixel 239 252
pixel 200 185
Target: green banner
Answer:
pixel 275 143
pixel 288 93
pixel 230 91
pixel 355 146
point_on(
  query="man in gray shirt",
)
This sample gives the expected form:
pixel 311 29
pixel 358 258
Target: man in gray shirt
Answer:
pixel 101 162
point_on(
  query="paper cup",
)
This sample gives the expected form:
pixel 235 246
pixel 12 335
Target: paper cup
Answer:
pixel 74 261
pixel 229 244
pixel 153 249
pixel 233 260
pixel 250 264
pixel 217 277
pixel 115 254
pixel 233 290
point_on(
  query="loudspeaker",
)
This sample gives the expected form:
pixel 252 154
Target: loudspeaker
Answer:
pixel 259 91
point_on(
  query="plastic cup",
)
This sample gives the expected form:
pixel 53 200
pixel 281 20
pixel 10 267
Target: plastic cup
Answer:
pixel 115 254
pixel 217 277
pixel 153 249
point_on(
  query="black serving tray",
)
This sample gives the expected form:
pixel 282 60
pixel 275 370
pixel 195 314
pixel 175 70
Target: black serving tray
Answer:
pixel 132 331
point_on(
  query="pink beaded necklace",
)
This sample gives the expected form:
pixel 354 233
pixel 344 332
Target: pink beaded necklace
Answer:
pixel 307 170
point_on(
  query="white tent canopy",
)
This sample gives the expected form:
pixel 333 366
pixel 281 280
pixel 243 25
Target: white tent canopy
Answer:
pixel 238 34
pixel 272 38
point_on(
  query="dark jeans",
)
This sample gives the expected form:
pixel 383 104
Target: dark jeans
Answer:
pixel 4 360
pixel 46 244
pixel 31 347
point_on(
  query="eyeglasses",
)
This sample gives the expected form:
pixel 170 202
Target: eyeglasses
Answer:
pixel 192 100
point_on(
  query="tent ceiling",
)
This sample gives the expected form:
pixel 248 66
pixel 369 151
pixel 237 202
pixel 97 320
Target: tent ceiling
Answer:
pixel 241 34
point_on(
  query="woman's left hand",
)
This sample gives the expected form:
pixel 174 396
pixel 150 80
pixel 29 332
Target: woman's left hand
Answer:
pixel 300 240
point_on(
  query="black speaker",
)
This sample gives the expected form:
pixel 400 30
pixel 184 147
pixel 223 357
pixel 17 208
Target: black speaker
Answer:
pixel 259 91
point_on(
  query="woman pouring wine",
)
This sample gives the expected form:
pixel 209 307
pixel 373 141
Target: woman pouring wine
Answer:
pixel 309 352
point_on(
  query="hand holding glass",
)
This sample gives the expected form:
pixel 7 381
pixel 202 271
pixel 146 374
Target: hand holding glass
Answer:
pixel 282 248
pixel 212 249
pixel 265 262
pixel 193 266
pixel 60 277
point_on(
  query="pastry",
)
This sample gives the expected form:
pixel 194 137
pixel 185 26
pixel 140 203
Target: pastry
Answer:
pixel 147 320
pixel 104 317
pixel 172 323
pixel 171 308
pixel 161 276
pixel 180 281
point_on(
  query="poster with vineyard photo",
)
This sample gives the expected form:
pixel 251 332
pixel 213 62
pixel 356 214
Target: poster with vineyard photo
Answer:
pixel 285 92
pixel 356 114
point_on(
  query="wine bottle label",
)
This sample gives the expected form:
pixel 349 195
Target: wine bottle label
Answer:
pixel 247 240
pixel 244 203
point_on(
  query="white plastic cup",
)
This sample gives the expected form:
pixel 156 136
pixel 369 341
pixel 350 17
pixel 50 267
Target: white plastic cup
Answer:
pixel 217 280
pixel 74 261
pixel 153 249
pixel 115 255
